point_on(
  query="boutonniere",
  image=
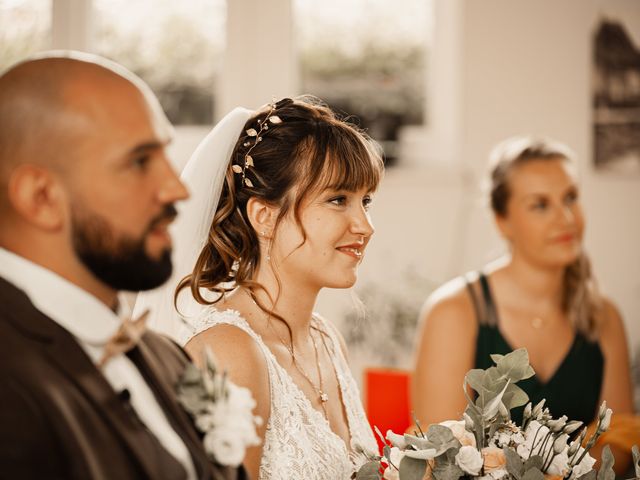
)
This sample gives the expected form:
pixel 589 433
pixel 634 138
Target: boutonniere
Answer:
pixel 221 410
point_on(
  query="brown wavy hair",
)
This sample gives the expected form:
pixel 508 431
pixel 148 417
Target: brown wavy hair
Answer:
pixel 310 150
pixel 581 300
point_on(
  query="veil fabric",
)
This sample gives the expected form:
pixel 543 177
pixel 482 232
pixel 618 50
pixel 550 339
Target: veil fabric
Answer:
pixel 204 176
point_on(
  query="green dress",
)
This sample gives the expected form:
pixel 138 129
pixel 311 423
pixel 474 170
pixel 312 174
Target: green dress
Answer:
pixel 573 390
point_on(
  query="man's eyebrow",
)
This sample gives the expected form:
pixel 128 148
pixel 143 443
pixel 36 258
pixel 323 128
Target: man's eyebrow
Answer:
pixel 144 147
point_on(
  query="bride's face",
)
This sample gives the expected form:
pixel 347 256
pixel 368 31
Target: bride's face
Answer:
pixel 338 228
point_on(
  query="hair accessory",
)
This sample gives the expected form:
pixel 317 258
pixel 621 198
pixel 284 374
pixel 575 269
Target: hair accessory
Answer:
pixel 256 135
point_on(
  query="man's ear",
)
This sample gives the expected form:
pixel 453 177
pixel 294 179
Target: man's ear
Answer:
pixel 37 197
pixel 262 216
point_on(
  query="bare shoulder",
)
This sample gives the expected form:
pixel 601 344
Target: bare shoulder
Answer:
pixel 237 353
pixel 612 330
pixel 450 306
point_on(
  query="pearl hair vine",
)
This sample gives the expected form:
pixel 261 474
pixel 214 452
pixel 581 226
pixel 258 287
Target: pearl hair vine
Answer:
pixel 255 137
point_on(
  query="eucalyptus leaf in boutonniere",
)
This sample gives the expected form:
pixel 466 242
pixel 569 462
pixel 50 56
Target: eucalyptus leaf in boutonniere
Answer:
pixel 487 445
pixel 222 411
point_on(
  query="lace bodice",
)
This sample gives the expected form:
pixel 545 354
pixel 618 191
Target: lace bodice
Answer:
pixel 299 442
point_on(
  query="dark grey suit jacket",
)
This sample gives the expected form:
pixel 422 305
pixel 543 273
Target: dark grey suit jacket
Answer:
pixel 60 418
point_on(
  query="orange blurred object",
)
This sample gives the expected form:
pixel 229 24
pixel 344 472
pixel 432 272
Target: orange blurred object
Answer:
pixel 386 392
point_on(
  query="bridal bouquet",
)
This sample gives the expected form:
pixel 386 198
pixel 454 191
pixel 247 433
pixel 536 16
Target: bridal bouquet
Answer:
pixel 487 445
pixel 221 410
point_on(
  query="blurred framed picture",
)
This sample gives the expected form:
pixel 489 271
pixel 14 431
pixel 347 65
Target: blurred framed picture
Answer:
pixel 616 97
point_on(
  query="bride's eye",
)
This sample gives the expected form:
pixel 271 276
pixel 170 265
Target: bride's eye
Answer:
pixel 338 200
pixel 367 201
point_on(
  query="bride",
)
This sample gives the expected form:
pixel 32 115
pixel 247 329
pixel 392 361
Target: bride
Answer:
pixel 282 196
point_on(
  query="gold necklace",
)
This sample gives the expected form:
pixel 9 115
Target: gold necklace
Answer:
pixel 322 395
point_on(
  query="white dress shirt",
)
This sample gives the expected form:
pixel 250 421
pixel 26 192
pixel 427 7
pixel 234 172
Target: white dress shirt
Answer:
pixel 92 323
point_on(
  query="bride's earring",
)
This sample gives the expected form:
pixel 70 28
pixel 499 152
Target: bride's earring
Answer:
pixel 268 257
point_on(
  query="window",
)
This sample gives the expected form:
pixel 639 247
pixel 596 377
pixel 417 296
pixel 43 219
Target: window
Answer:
pixel 25 28
pixel 176 47
pixel 366 58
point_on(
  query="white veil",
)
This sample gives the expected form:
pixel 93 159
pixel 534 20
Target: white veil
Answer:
pixel 204 176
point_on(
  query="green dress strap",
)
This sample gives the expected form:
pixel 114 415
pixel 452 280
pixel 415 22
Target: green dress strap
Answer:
pixel 573 390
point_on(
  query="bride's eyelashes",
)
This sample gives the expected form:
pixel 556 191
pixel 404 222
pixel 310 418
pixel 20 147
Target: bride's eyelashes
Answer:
pixel 339 200
pixel 342 200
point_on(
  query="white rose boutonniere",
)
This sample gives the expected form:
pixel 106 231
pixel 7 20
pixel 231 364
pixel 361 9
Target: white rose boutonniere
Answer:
pixel 222 411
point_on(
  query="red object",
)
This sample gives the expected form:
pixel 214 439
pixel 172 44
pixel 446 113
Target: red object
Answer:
pixel 387 402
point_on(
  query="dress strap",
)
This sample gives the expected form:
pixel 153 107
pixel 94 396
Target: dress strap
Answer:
pixel 474 298
pixel 491 316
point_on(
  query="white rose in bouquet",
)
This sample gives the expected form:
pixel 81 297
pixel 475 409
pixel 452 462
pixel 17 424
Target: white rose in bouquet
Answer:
pixel 469 460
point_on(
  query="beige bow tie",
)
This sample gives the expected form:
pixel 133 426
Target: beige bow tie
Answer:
pixel 127 336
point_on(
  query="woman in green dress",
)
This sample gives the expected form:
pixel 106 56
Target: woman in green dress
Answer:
pixel 541 296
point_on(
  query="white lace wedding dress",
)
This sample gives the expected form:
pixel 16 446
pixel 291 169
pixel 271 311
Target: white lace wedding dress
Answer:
pixel 299 443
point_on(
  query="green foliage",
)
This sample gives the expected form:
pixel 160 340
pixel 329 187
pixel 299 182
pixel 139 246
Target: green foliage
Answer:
pixel 533 474
pixel 412 469
pixel 635 452
pixel 369 471
pixel 446 470
pixel 515 465
pixel 606 469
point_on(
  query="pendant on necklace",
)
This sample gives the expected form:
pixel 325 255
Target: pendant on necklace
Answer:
pixel 324 397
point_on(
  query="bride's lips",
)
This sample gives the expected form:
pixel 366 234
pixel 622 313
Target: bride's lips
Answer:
pixel 354 250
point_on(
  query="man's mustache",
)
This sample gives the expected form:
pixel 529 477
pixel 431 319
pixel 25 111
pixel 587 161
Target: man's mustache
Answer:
pixel 168 214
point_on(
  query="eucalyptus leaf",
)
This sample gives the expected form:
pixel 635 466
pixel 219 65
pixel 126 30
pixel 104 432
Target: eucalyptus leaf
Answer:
pixel 418 443
pixel 494 428
pixel 369 471
pixel 515 465
pixel 474 378
pixel 590 475
pixel 446 470
pixel 533 474
pixel 386 451
pixel 496 357
pixel 477 421
pixel 422 454
pixel 491 408
pixel 442 439
pixel 606 466
pixel 439 434
pixel 636 460
pixel 534 461
pixel 412 469
pixel 515 365
pixel 514 397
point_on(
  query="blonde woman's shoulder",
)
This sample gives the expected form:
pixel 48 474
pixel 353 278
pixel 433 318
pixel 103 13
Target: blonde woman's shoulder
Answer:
pixel 451 305
pixel 612 329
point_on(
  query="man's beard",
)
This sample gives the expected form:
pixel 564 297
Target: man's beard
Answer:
pixel 120 262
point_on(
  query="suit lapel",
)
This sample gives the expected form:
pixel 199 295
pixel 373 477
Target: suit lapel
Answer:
pixel 67 355
pixel 153 372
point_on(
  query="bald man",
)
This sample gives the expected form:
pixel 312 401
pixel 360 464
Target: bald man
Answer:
pixel 86 195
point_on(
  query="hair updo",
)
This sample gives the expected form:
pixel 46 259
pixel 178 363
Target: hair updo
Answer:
pixel 581 300
pixel 309 150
